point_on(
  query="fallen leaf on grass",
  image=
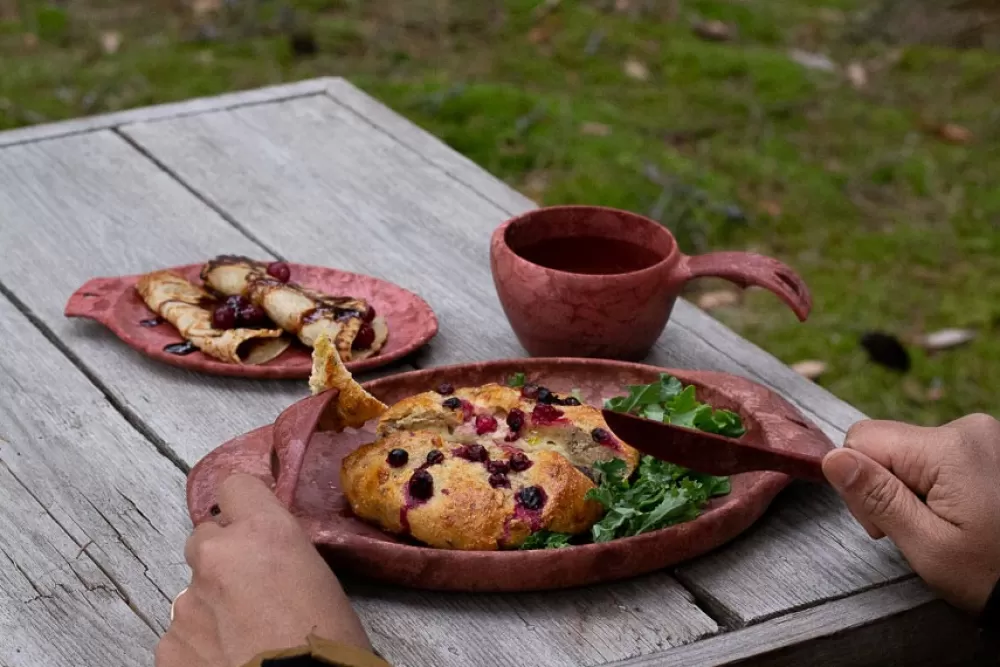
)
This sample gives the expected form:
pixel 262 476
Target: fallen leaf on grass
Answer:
pixel 538 35
pixel 718 299
pixel 810 368
pixel 947 338
pixel 952 133
pixel 595 129
pixel 713 31
pixel 30 40
pixel 111 41
pixel 535 184
pixel 886 350
pixel 831 15
pixel 636 70
pixel 772 208
pixel 203 7
pixel 812 60
pixel 914 390
pixel 857 75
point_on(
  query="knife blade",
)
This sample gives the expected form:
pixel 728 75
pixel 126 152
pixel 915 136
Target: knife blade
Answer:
pixel 710 453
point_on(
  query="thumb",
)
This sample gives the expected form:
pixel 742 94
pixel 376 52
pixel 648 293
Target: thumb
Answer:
pixel 879 500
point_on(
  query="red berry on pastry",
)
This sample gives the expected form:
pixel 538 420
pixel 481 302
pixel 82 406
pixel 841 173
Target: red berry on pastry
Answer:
pixel 364 339
pixel 499 480
pixel 280 271
pixel 485 424
pixel 224 317
pixel 251 316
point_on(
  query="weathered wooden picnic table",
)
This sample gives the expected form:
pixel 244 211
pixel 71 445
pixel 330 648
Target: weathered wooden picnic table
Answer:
pixel 95 439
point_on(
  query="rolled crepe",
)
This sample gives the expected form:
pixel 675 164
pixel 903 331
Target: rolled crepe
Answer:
pixel 228 274
pixel 301 311
pixel 183 304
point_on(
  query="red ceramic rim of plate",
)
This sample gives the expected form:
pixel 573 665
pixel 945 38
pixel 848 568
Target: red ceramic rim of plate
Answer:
pixel 114 303
pixel 355 546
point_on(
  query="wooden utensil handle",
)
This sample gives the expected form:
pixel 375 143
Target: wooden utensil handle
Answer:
pixel 802 466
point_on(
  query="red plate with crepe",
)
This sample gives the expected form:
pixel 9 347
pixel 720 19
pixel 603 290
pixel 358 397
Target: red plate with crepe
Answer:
pixel 302 463
pixel 115 303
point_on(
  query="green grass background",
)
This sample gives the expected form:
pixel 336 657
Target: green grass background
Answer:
pixel 732 144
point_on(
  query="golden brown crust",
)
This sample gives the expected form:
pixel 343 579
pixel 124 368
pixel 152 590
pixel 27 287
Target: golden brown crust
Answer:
pixel 466 511
pixel 354 406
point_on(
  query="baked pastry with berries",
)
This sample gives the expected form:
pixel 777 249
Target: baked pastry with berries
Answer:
pixel 482 468
pixel 531 418
pixel 465 496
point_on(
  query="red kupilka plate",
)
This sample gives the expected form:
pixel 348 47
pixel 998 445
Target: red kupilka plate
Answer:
pixel 303 464
pixel 114 303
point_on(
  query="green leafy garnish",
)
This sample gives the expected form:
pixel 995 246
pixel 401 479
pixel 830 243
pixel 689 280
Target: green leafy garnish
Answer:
pixel 659 494
pixel 546 539
pixel 516 380
pixel 670 402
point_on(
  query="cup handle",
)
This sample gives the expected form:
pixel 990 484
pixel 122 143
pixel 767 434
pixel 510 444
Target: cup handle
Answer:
pixel 745 269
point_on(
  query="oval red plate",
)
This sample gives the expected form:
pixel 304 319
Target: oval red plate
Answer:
pixel 306 463
pixel 114 303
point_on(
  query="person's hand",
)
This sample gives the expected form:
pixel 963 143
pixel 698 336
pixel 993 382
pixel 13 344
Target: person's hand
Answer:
pixel 257 585
pixel 935 492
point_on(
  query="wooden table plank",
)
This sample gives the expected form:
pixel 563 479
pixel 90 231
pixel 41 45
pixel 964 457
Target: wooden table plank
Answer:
pixel 92 517
pixel 187 107
pixel 609 623
pixel 90 205
pixel 873 629
pixel 293 172
pixel 56 606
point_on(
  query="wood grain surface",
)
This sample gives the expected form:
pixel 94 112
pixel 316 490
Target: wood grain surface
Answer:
pixel 92 517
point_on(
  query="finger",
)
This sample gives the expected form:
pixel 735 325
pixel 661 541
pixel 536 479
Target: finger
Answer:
pixel 195 624
pixel 909 452
pixel 242 496
pixel 203 533
pixel 880 500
